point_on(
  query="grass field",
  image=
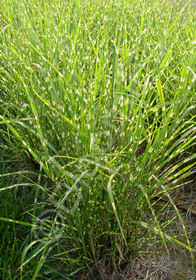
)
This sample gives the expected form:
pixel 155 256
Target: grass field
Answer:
pixel 97 122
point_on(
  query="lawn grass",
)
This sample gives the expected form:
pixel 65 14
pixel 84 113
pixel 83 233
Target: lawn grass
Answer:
pixel 99 98
pixel 13 204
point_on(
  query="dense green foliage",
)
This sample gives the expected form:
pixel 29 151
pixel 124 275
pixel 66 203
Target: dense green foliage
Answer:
pixel 100 97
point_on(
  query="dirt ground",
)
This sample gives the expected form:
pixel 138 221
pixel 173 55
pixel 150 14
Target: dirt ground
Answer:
pixel 154 266
pixel 177 265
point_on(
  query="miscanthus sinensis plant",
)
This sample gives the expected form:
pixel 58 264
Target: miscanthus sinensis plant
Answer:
pixel 101 95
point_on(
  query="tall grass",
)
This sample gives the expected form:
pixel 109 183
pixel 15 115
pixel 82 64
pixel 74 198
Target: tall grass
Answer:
pixel 101 95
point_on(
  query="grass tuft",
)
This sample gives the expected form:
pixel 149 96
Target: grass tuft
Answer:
pixel 99 98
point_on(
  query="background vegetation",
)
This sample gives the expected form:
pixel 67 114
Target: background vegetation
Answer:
pixel 97 120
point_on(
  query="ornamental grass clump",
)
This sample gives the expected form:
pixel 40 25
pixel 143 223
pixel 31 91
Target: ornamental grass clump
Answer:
pixel 101 96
